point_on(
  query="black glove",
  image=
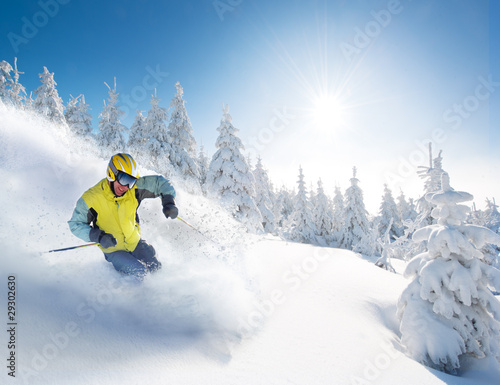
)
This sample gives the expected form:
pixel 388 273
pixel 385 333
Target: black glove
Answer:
pixel 107 240
pixel 104 239
pixel 169 208
pixel 170 211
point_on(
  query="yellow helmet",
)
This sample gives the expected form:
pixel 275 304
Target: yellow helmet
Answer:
pixel 122 163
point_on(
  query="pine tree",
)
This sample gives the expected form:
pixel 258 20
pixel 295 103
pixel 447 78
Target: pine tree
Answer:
pixel 229 179
pixel 492 216
pixel 47 102
pixel 432 177
pixel 203 164
pixel 312 196
pixel 356 230
pixel 283 206
pixel 110 137
pixel 182 142
pixel 323 216
pixel 154 138
pixel 491 219
pixel 448 310
pixel 29 102
pixel 77 116
pixel 389 217
pixel 387 250
pixel 17 88
pixel 10 88
pixel 301 223
pixel 406 210
pixel 5 82
pixel 264 197
pixel 338 215
pixel 136 139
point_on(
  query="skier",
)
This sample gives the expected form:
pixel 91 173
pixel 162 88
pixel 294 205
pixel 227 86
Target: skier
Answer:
pixel 107 214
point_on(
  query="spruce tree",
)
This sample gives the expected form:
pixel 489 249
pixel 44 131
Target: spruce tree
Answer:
pixel 5 82
pixel 110 138
pixel 229 178
pixel 264 197
pixel 203 164
pixel 136 139
pixel 283 206
pixel 182 143
pixel 154 138
pixel 356 230
pixel 17 88
pixel 338 215
pixel 323 216
pixel 301 226
pixel 406 210
pixel 77 116
pixel 448 311
pixel 389 217
pixel 47 102
pixel 432 183
pixel 10 88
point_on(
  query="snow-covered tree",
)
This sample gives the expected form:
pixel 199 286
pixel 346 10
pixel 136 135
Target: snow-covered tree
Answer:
pixel 10 88
pixel 153 139
pixel 323 216
pixel 492 216
pixel 182 143
pixel 77 116
pixel 47 102
pixel 110 138
pixel 338 215
pixel 136 138
pixel 17 88
pixel 356 230
pixel 264 197
pixel 387 247
pixel 301 223
pixel 389 217
pixel 229 179
pixel 283 206
pixel 432 178
pixel 448 311
pixel 312 196
pixel 5 82
pixel 29 102
pixel 406 209
pixel 203 164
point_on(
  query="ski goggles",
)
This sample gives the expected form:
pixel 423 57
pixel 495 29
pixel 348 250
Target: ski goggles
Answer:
pixel 125 179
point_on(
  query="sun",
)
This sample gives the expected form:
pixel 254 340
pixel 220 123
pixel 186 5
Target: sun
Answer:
pixel 328 113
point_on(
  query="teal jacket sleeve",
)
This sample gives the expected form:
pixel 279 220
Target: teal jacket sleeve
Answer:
pixel 153 186
pixel 79 223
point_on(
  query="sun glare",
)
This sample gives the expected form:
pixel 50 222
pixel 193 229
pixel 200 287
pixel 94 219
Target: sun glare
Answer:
pixel 328 114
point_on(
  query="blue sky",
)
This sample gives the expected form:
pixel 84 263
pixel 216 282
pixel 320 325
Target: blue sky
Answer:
pixel 327 85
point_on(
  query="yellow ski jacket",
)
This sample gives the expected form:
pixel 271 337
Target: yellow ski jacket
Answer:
pixel 100 208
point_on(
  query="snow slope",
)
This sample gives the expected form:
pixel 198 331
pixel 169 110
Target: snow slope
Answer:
pixel 255 310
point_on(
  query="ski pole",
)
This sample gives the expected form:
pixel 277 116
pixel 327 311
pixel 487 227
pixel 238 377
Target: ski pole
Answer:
pixel 199 232
pixel 71 248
